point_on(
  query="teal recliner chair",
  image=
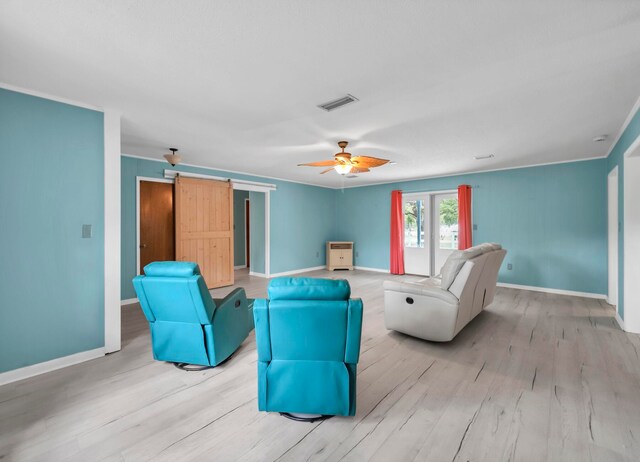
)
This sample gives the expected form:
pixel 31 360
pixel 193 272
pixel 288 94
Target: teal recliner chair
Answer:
pixel 308 341
pixel 188 327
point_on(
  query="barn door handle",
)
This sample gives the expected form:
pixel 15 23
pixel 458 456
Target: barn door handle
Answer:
pixel 143 246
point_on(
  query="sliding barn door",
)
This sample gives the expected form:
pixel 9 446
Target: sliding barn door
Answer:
pixel 204 227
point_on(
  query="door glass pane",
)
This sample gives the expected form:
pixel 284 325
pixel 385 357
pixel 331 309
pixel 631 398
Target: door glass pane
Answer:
pixel 448 223
pixel 414 223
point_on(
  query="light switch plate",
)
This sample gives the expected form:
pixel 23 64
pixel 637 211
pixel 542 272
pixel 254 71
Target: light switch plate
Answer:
pixel 87 231
pixel 475 227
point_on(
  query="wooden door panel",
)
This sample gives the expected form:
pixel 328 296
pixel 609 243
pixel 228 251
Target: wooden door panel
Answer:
pixel 204 230
pixel 157 240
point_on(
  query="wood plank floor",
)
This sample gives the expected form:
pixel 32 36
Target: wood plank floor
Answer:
pixel 535 377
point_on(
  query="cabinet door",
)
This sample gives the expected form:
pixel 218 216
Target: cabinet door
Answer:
pixel 347 257
pixel 334 258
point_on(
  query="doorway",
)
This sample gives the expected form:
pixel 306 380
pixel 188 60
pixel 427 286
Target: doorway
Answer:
pixel 247 233
pixel 157 228
pixel 630 311
pixel 431 230
pixel 257 216
pixel 612 235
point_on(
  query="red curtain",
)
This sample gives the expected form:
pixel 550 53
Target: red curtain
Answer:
pixel 397 233
pixel 464 217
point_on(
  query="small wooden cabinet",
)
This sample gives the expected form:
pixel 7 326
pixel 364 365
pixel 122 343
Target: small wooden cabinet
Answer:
pixel 339 255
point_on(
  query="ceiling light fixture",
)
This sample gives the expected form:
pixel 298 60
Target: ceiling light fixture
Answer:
pixel 483 157
pixel 173 158
pixel 600 138
pixel 343 169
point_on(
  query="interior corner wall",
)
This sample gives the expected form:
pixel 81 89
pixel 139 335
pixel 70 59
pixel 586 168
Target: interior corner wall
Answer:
pixel 551 219
pixel 302 218
pixel 52 284
pixel 616 158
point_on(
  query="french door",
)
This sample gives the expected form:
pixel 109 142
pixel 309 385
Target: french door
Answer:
pixel 430 231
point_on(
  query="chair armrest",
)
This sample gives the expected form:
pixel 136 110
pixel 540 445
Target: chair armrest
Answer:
pixel 234 306
pixel 425 289
pixel 232 297
pixel 354 331
pixel 263 331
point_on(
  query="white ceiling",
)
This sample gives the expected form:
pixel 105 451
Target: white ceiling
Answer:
pixel 235 84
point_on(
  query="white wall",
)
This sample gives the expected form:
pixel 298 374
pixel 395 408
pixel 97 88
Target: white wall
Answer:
pixel 632 241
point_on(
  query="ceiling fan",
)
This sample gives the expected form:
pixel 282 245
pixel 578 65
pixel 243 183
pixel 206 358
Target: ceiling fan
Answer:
pixel 343 162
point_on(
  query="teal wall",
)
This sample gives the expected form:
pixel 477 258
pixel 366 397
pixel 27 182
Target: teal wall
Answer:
pixel 256 219
pixel 302 218
pixel 52 284
pixel 552 220
pixel 630 134
pixel 239 226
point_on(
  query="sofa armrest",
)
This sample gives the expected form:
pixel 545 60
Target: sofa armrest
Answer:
pixel 425 289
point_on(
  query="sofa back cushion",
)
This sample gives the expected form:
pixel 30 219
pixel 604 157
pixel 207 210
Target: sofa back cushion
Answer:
pixel 454 264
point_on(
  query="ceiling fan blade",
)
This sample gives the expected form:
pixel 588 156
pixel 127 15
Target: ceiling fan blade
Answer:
pixel 359 170
pixel 325 171
pixel 368 162
pixel 322 163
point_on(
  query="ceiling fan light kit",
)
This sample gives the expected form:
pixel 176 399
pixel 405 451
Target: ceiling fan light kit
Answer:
pixel 173 158
pixel 343 162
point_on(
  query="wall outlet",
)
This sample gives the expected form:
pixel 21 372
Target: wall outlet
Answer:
pixel 475 227
pixel 87 231
pixel 317 254
pixel 357 254
pixel 509 266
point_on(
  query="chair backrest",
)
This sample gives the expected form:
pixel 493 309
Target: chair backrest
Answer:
pixel 174 291
pixel 313 320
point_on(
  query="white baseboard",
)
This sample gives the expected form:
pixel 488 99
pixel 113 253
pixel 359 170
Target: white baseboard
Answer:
pixel 298 271
pixel 128 301
pixel 619 320
pixel 375 270
pixel 48 366
pixel 239 267
pixel 260 275
pixel 553 291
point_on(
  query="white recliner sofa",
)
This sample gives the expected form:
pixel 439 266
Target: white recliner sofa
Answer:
pixel 437 309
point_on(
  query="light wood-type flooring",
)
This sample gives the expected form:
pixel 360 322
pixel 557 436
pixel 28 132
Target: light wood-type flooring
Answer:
pixel 534 377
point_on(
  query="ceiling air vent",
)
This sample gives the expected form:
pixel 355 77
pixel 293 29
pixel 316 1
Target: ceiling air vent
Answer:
pixel 352 176
pixel 335 104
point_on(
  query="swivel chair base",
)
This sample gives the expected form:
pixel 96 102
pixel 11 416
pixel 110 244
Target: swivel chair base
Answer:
pixel 191 367
pixel 196 367
pixel 305 417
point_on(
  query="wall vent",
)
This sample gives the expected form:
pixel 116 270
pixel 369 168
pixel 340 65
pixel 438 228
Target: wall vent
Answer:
pixel 335 104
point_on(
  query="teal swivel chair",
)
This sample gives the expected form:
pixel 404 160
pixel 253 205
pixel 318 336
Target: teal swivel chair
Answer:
pixel 188 327
pixel 308 340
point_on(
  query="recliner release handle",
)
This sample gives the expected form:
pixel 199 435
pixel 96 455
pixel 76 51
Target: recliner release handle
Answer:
pixel 237 304
pixel 410 300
